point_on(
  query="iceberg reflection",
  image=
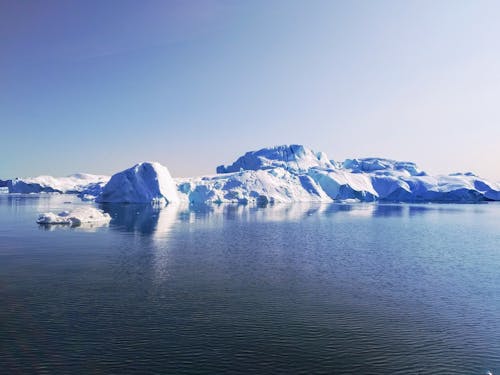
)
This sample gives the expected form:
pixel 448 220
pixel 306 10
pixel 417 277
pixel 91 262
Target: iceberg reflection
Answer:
pixel 147 219
pixel 141 218
pixel 151 227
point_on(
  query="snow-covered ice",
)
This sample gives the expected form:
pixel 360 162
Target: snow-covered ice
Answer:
pixel 76 217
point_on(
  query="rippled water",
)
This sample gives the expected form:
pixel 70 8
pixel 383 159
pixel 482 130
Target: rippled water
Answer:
pixel 342 289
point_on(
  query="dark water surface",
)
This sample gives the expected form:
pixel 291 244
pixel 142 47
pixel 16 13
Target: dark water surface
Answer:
pixel 330 289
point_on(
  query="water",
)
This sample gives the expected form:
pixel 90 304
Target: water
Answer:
pixel 331 289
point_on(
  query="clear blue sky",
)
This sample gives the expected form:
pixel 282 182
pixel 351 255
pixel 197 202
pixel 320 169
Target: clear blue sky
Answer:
pixel 96 86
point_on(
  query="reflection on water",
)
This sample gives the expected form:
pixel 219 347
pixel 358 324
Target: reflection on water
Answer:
pixel 147 219
pixel 142 218
pixel 157 221
pixel 84 227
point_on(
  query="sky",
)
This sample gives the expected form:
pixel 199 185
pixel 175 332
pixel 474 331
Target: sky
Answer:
pixel 97 86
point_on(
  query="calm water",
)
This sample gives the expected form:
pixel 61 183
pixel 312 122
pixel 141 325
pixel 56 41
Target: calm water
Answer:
pixel 333 289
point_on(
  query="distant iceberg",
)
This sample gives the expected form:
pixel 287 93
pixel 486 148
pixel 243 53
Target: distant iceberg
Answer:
pixel 73 184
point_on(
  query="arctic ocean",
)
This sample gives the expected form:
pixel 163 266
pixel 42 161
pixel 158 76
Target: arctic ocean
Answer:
pixel 290 288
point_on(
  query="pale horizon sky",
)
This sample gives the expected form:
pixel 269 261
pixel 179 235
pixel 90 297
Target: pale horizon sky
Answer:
pixel 97 86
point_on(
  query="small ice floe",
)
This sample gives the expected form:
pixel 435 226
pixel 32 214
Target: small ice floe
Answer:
pixel 78 216
pixel 87 197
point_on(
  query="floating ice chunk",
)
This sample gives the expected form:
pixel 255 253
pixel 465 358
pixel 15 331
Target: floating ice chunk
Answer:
pixel 76 217
pixel 87 197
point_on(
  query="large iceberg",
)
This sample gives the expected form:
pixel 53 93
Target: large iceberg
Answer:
pixel 146 182
pixel 297 174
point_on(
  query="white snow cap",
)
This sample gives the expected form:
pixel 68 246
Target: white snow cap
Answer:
pixel 147 182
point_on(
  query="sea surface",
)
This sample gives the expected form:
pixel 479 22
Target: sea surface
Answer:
pixel 283 289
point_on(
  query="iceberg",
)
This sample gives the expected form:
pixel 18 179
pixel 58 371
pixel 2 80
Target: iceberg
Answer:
pixel 147 182
pixel 279 174
pixel 78 216
pixel 72 184
pixel 294 173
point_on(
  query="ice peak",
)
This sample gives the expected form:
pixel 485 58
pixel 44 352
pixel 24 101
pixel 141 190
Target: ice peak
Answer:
pixel 293 157
pixel 146 182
